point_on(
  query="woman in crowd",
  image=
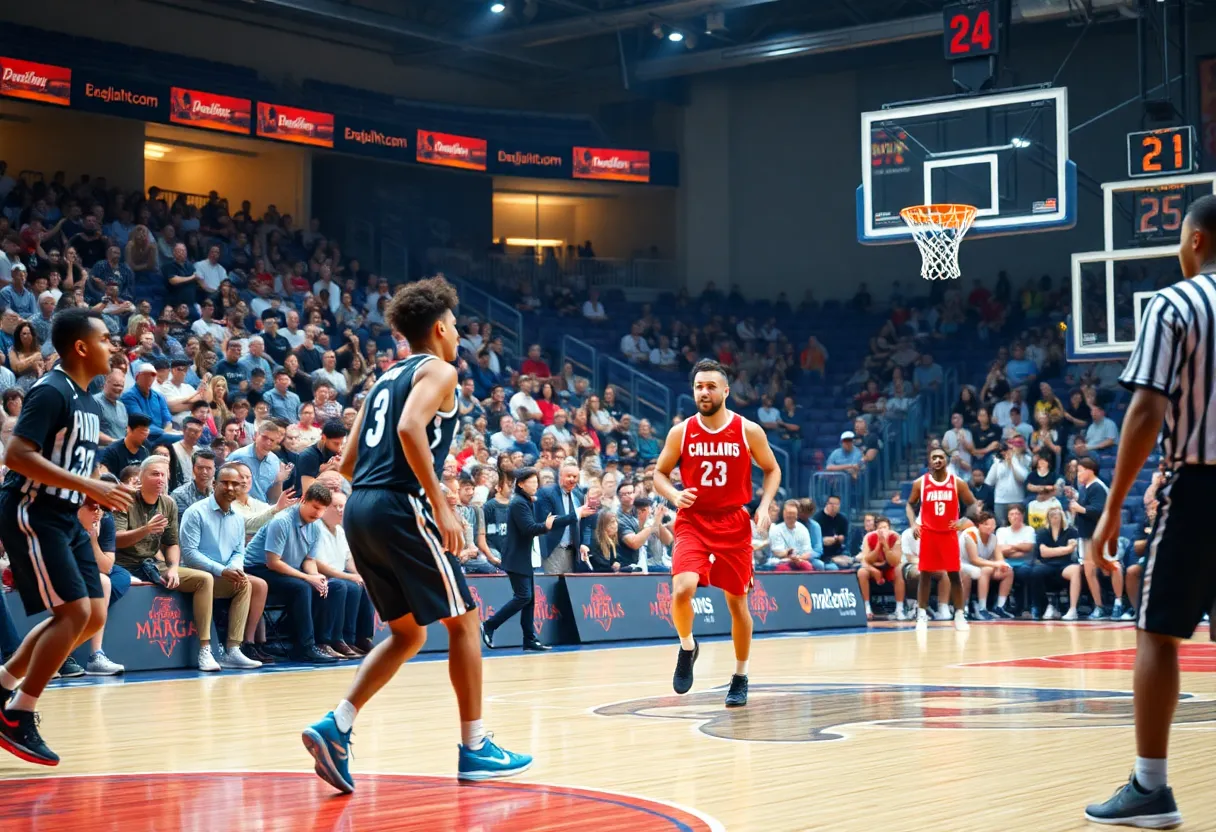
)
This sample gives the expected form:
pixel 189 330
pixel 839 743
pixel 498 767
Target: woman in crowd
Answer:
pixel 1054 550
pixel 142 256
pixel 967 405
pixel 355 374
pixel 547 402
pixel 586 440
pixel 1076 417
pixel 310 431
pixel 1049 403
pixel 1045 439
pixel 219 401
pixel 609 482
pixel 522 529
pixel 12 400
pixel 612 407
pixel 25 357
pixel 648 443
pixel 604 542
pixel 599 419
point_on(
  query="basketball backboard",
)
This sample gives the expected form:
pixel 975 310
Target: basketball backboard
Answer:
pixel 1110 288
pixel 1005 153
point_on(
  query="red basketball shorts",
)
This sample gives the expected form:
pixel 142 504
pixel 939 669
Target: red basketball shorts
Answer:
pixel 718 547
pixel 938 551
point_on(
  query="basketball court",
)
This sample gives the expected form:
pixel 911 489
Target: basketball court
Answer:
pixel 1017 725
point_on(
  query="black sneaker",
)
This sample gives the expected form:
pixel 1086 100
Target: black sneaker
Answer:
pixel 313 655
pixel 736 697
pixel 1132 806
pixel 1003 612
pixel 19 735
pixel 681 682
pixel 535 646
pixel 70 669
pixel 5 695
pixel 487 638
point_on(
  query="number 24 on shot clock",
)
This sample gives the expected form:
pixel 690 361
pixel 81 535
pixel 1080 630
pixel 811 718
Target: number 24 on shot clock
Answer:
pixel 1161 152
pixel 972 30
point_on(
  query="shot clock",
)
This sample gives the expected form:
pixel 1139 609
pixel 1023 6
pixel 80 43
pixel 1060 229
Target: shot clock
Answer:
pixel 972 30
pixel 1163 152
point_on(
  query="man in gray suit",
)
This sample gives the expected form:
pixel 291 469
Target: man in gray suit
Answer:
pixel 561 547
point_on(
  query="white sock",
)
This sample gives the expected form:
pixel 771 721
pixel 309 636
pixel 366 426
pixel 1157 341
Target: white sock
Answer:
pixel 472 735
pixel 868 608
pixel 7 680
pixel 943 609
pixel 741 668
pixel 687 642
pixel 23 702
pixel 1118 603
pixel 344 715
pixel 983 604
pixel 1150 774
pixel 1000 601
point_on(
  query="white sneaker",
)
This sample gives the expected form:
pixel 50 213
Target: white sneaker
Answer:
pixel 206 661
pixel 234 659
pixel 1052 614
pixel 900 615
pixel 942 614
pixel 1071 615
pixel 960 622
pixel 922 621
pixel 100 665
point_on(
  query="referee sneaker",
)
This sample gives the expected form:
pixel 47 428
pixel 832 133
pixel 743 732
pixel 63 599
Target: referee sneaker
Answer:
pixel 1171 375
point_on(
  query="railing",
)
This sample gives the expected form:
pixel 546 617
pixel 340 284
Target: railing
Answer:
pixel 507 320
pixel 197 200
pixel 506 271
pixel 826 484
pixel 686 405
pixel 646 398
pixel 584 357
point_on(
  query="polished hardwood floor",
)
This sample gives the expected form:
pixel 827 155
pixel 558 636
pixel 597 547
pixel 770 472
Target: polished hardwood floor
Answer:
pixel 1009 727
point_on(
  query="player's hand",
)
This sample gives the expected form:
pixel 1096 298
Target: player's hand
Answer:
pixel 451 532
pixel 113 495
pixel 287 499
pixel 172 579
pixel 685 498
pixel 585 511
pixel 1104 539
pixel 763 519
pixel 915 531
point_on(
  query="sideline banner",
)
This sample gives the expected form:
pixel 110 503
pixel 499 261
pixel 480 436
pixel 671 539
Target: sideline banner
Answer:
pixel 612 164
pixel 116 95
pixel 620 607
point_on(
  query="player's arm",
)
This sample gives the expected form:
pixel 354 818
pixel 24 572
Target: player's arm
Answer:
pixel 1140 426
pixel 967 499
pixel 914 499
pixel 762 455
pixel 434 383
pixel 665 464
pixel 350 450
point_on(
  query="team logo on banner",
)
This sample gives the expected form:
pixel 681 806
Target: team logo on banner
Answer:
pixel 292 124
pixel 760 602
pixel 601 608
pixel 822 712
pixel 209 111
pixel 450 150
pixel 484 610
pixel 542 610
pixel 165 625
pixel 616 165
pixel 33 81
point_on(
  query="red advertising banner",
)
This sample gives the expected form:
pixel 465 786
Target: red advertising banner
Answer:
pixel 450 151
pixel 209 111
pixel 291 124
pixel 1207 110
pixel 32 81
pixel 617 165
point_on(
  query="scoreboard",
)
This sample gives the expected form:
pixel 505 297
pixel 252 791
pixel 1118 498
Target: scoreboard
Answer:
pixel 1164 152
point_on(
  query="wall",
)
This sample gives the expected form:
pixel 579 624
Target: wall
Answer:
pixel 219 34
pixel 517 215
pixel 630 224
pixel 49 139
pixel 769 168
pixel 275 175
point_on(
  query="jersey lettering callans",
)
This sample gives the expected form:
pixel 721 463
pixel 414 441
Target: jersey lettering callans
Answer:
pixel 938 504
pixel 65 423
pixel 381 462
pixel 716 463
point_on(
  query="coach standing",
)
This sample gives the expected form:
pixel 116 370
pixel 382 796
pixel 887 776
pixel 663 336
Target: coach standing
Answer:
pixel 1171 374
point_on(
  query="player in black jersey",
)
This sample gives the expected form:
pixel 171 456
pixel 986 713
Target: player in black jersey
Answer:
pixel 402 532
pixel 51 459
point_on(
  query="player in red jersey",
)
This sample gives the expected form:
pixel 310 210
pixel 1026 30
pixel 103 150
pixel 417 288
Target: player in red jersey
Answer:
pixel 713 547
pixel 937 496
pixel 880 561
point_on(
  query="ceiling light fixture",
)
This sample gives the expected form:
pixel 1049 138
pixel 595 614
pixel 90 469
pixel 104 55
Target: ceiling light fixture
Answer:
pixel 676 37
pixel 497 8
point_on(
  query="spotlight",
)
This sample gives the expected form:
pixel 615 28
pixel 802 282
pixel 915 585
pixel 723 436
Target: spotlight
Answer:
pixel 1020 143
pixel 498 8
pixel 676 37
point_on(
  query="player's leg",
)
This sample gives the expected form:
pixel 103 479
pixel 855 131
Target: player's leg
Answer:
pixel 982 586
pixel 863 583
pixel 1116 582
pixel 965 577
pixel 901 591
pixel 956 589
pixel 522 588
pixel 741 638
pixel 1002 593
pixel 1094 585
pixel 1133 584
pixel 689 568
pixel 95 640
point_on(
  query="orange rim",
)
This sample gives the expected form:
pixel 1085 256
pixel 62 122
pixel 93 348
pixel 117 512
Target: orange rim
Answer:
pixel 944 215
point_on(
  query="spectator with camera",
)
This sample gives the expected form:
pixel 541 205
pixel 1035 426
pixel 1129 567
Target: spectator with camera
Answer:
pixel 1007 476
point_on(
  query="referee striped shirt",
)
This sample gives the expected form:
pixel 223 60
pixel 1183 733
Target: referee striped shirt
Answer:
pixel 1175 355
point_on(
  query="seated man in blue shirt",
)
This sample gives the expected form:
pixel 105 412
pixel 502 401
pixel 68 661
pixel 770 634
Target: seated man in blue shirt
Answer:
pixel 267 468
pixel 282 400
pixel 212 539
pixel 524 444
pixel 142 398
pixel 283 554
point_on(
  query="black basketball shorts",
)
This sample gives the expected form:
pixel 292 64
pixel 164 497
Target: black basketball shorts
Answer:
pixel 398 551
pixel 50 552
pixel 1180 572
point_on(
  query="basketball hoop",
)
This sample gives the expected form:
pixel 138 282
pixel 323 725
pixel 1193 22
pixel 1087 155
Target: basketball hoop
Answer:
pixel 938 230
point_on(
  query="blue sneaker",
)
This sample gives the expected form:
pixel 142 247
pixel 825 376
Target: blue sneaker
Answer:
pixel 331 749
pixel 1132 806
pixel 984 615
pixel 1002 612
pixel 490 762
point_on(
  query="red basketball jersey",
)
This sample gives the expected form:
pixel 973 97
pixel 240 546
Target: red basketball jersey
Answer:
pixel 938 504
pixel 718 464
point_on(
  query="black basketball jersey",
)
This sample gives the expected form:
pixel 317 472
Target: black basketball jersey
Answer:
pixel 64 421
pixel 381 462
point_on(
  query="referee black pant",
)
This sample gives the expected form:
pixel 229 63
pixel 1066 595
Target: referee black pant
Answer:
pixel 521 602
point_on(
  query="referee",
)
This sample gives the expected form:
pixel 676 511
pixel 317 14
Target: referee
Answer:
pixel 1171 375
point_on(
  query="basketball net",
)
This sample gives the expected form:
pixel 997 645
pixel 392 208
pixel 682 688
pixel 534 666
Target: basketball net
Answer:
pixel 938 231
